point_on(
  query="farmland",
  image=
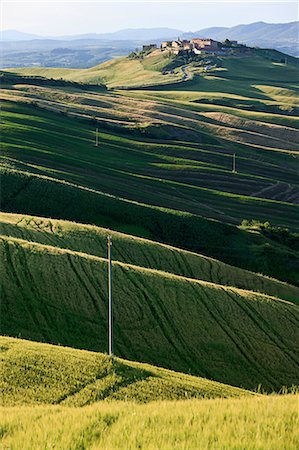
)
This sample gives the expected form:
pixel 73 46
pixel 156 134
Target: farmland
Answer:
pixel 139 252
pixel 158 69
pixel 153 180
pixel 205 328
pixel 68 377
pixel 169 147
pixel 206 258
pixel 41 374
pixel 260 423
pixel 205 254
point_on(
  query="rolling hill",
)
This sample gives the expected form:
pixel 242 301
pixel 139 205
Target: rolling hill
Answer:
pixel 20 49
pixel 162 171
pixel 91 240
pixel 165 156
pixel 119 72
pixel 64 376
pixel 43 386
pixel 54 294
pixel 161 68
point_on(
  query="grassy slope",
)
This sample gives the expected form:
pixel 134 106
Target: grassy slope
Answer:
pixel 253 423
pixel 119 72
pixel 125 72
pixel 249 87
pixel 59 296
pixel 188 176
pixel 198 175
pixel 34 373
pixel 141 252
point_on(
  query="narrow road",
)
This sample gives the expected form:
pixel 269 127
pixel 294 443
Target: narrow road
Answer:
pixel 186 75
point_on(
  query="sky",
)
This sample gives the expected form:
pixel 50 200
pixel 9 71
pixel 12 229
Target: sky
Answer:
pixel 55 17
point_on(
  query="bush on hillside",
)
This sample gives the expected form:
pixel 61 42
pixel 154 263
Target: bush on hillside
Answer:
pixel 11 78
pixel 280 234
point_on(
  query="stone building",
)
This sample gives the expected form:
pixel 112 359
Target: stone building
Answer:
pixel 165 45
pixel 196 45
pixel 205 44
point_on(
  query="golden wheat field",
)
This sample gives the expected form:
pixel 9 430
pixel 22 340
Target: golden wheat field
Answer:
pixel 257 423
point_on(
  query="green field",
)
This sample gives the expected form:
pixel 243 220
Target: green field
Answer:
pixel 257 423
pixel 55 290
pixel 125 404
pixel 206 260
pixel 116 73
pixel 34 373
pixel 155 69
pixel 140 252
pixel 128 182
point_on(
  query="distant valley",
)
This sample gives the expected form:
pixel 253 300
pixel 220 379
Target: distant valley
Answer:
pixel 84 51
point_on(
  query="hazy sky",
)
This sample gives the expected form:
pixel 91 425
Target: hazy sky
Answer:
pixel 74 17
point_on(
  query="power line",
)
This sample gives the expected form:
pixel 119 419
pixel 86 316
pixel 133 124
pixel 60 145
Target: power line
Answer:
pixel 110 311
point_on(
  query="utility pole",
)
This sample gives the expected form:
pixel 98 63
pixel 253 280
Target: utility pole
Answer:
pixel 97 137
pixel 234 163
pixel 110 312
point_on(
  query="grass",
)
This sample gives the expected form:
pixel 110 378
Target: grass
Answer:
pixel 92 240
pixel 193 177
pixel 125 404
pixel 34 373
pixel 162 171
pixel 119 72
pixel 57 295
pixel 148 71
pixel 247 249
pixel 254 423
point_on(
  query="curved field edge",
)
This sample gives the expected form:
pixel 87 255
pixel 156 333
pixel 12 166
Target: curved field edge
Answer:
pixel 63 200
pixel 119 72
pixel 254 422
pixel 221 333
pixel 92 240
pixel 35 373
pixel 151 70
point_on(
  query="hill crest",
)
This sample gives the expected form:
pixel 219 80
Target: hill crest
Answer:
pixel 65 376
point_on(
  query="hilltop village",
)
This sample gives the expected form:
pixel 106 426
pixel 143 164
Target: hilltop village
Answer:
pixel 196 46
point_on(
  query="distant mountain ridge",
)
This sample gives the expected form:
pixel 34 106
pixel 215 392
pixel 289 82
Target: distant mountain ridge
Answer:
pixel 280 36
pixel 126 35
pixel 247 32
pixel 15 35
pixel 87 50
